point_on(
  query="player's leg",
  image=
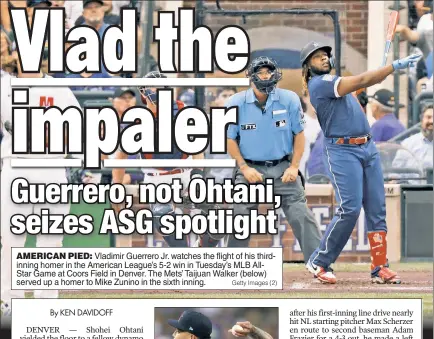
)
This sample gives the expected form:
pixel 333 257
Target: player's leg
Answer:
pixel 298 214
pixel 207 239
pixel 343 164
pixel 374 204
pixel 158 210
pixel 50 176
pixel 8 239
pixel 238 210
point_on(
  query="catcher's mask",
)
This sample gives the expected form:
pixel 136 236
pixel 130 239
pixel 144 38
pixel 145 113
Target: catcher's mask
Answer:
pixel 268 85
pixel 147 92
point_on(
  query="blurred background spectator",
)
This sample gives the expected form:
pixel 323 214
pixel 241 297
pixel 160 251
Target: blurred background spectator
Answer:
pixel 8 60
pixel 101 13
pixel 419 33
pixel 420 144
pixel 125 98
pixel 383 110
pixel 315 162
pixel 73 10
pixel 103 74
pixel 223 94
pixel 5 19
pixel 187 97
pixel 93 14
pixel 107 17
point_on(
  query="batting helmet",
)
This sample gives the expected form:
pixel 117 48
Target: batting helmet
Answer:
pixel 265 86
pixel 33 3
pixel 311 48
pixel 146 92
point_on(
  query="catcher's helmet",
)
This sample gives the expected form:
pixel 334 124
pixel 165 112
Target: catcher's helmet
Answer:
pixel 146 92
pixel 311 48
pixel 265 86
pixel 33 3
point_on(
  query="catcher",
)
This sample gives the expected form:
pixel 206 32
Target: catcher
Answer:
pixel 162 175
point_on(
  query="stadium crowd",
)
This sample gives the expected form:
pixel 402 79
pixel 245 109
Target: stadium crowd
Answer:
pixel 416 146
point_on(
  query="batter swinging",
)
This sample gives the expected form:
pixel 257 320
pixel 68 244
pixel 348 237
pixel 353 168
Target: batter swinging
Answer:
pixel 351 160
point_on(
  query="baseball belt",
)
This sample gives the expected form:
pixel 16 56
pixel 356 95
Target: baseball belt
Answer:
pixel 267 163
pixel 352 140
pixel 175 171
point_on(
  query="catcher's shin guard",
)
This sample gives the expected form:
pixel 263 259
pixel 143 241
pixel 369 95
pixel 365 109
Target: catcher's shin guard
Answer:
pixel 207 240
pixel 380 271
pixel 159 210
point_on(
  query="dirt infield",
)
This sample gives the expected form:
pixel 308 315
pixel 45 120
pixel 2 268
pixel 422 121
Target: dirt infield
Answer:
pixel 354 279
pixel 358 280
pixel 353 282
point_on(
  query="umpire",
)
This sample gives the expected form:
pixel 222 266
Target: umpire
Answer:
pixel 268 142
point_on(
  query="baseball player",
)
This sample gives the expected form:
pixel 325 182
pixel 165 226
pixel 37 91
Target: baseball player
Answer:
pixel 218 174
pixel 351 159
pixel 268 142
pixel 38 96
pixel 249 331
pixel 162 175
pixel 191 325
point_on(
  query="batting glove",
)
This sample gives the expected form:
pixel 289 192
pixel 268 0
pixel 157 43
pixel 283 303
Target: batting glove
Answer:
pixel 406 62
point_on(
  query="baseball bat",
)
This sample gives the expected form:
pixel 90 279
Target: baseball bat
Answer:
pixel 390 33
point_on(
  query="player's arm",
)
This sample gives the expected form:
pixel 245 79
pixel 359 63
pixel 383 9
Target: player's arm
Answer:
pixel 233 133
pixel 405 33
pixel 234 152
pixel 350 84
pixel 299 141
pixel 297 129
pixel 5 18
pixel 199 156
pixel 346 85
pixel 250 331
pixel 257 333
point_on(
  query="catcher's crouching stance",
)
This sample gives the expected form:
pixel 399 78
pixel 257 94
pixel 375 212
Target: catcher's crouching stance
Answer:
pixel 162 175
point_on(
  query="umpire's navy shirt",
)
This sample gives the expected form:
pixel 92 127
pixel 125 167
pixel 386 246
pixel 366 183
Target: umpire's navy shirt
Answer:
pixel 338 116
pixel 266 135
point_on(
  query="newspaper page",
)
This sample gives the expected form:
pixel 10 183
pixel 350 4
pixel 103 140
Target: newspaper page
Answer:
pixel 216 170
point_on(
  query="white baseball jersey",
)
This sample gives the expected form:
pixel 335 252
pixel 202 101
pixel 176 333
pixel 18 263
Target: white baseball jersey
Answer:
pixel 61 97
